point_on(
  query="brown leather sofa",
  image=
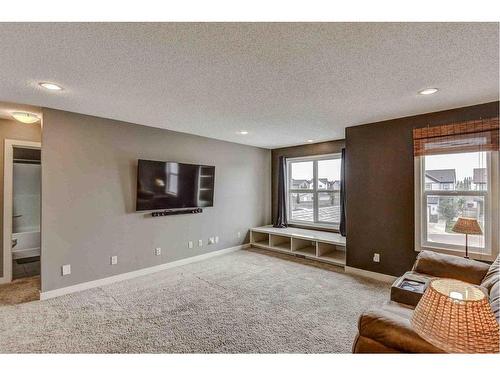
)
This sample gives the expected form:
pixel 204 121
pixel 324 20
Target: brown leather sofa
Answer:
pixel 387 329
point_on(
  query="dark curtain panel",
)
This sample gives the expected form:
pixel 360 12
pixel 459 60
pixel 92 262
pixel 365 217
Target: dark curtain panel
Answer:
pixel 342 195
pixel 281 221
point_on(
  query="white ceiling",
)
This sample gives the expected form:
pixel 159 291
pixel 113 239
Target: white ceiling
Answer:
pixel 283 82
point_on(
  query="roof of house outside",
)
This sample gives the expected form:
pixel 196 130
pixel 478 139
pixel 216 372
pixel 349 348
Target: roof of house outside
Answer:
pixel 442 175
pixel 333 185
pixel 299 182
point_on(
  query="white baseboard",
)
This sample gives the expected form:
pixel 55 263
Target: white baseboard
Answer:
pixel 133 274
pixel 370 274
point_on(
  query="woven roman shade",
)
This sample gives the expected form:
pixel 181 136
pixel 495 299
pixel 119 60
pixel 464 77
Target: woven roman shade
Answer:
pixel 468 136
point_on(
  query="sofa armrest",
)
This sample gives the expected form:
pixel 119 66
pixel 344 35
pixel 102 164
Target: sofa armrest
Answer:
pixel 392 331
pixel 450 266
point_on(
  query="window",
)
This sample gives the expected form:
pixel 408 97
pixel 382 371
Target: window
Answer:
pixel 452 185
pixel 314 190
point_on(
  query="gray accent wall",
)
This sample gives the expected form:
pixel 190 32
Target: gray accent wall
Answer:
pixel 88 197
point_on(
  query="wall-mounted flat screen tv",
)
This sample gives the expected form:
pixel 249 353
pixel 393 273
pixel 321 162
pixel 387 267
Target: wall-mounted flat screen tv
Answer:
pixel 171 185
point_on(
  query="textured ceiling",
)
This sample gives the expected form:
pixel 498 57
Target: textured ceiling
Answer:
pixel 283 82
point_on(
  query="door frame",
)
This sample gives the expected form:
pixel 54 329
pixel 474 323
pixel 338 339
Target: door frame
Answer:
pixel 7 202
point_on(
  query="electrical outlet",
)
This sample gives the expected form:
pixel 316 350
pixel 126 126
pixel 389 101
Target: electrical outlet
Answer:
pixel 200 243
pixel 66 269
pixel 216 239
pixel 114 260
pixel 158 251
pixel 376 257
pixel 190 244
pixel 211 241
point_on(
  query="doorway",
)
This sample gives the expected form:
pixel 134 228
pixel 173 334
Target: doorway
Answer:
pixel 21 225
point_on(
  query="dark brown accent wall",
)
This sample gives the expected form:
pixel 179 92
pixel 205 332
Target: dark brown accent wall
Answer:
pixel 380 187
pixel 322 148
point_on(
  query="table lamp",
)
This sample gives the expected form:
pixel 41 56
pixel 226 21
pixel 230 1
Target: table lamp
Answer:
pixel 467 226
pixel 456 317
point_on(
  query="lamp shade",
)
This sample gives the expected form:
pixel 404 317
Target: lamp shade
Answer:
pixel 467 226
pixel 456 317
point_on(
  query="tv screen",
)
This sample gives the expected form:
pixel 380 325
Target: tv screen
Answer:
pixel 171 185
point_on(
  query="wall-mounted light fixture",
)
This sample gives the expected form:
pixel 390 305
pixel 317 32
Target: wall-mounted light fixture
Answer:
pixel 25 117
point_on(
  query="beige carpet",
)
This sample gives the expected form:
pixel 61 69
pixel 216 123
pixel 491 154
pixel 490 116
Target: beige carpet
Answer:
pixel 243 302
pixel 22 290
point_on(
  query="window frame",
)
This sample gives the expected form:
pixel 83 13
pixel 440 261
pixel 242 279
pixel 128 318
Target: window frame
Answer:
pixel 491 207
pixel 316 223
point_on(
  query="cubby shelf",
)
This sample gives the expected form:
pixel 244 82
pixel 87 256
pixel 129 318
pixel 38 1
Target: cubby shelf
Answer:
pixel 337 257
pixel 323 246
pixel 261 243
pixel 310 250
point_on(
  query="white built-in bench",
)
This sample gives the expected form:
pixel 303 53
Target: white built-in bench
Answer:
pixel 324 246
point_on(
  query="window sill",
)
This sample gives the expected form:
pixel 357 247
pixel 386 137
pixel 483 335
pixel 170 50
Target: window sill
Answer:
pixel 472 255
pixel 328 228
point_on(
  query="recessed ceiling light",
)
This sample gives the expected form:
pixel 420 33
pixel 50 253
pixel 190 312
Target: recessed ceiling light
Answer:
pixel 50 86
pixel 243 132
pixel 25 117
pixel 428 91
pixel 310 140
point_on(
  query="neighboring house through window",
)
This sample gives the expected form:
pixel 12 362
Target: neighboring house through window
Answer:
pixel 480 178
pixel 313 188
